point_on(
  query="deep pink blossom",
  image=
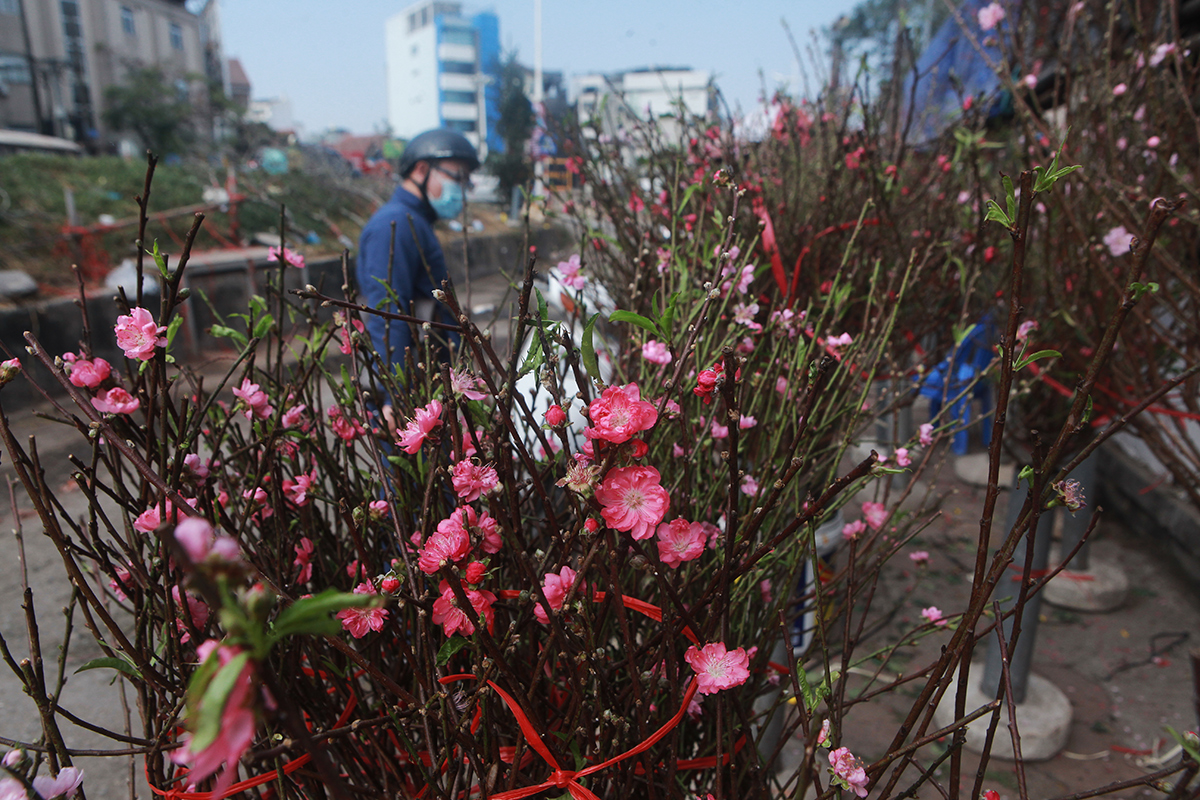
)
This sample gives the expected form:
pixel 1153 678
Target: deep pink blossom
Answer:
pixel 293 415
pixel 716 668
pixel 422 424
pixel 346 335
pixel 297 490
pixel 236 731
pixel 555 416
pixel 290 257
pixel 304 552
pixel 138 334
pixel 378 509
pixel 347 428
pixel 619 413
pixel 656 352
pixel 151 518
pixel 848 771
pixel 472 480
pixel 680 541
pixel 633 500
pixel 465 519
pixel 88 374
pixel 875 514
pixel 189 607
pixel 555 587
pixel 453 619
pixel 443 548
pixel 360 620
pixel 116 401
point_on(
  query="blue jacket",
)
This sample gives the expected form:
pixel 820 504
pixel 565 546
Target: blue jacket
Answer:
pixel 418 268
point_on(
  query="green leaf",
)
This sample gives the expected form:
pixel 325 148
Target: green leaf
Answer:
pixel 588 349
pixel 159 261
pixel 1087 411
pixel 996 214
pixel 119 664
pixel 225 332
pixel 1140 289
pixel 1188 744
pixel 533 358
pixel 313 614
pixel 1010 197
pixel 173 328
pixel 635 319
pixel 258 304
pixel 208 726
pixel 263 325
pixel 961 333
pixel 543 309
pixel 1027 360
pixel 667 321
pixel 452 646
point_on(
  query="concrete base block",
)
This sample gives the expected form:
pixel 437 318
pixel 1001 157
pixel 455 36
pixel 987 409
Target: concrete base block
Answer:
pixel 972 469
pixel 1044 719
pixel 1103 586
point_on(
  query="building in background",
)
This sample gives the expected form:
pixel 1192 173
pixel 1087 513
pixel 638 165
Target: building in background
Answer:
pixel 443 72
pixel 57 57
pixel 645 94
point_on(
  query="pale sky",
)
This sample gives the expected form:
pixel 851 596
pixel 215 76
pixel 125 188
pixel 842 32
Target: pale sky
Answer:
pixel 327 56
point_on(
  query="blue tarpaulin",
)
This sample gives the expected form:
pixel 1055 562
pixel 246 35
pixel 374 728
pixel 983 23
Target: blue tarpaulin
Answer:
pixel 952 68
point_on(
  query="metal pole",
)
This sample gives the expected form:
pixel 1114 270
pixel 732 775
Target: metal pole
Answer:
pixel 1020 656
pixel 33 71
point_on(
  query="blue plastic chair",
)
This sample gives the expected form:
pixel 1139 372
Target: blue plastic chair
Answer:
pixel 969 359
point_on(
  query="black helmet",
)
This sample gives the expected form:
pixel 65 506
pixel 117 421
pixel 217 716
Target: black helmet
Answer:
pixel 435 145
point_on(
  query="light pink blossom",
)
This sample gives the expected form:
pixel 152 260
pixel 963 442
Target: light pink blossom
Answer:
pixel 656 352
pixel 1025 328
pixel 619 413
pixel 934 614
pixel 680 541
pixel 851 530
pixel 1119 89
pixel 716 668
pixel 65 784
pixel 466 384
pixel 568 273
pixel 138 335
pixel 202 544
pixel 749 485
pixel 848 771
pixel 919 557
pixel 1118 240
pixel 422 424
pixel 1161 52
pixel 290 257
pixel 378 509
pixel 875 514
pixel 258 404
pixel 926 434
pixel 902 457
pixel 368 618
pixel 990 16
pixel 555 587
pixel 116 401
pixel 633 500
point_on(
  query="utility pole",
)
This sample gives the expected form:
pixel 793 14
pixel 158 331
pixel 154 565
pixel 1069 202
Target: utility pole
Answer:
pixel 33 71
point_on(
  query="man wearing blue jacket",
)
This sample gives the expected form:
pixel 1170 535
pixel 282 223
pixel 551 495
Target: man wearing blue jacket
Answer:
pixel 435 169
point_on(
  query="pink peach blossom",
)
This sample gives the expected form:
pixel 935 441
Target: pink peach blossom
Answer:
pixel 297 490
pixel 875 514
pixel 680 541
pixel 656 352
pixel 116 401
pixel 304 552
pixel 422 424
pixel 926 434
pixel 443 548
pixel 934 614
pixel 990 16
pixel 555 587
pixel 633 500
pixel 555 416
pixel 453 619
pixel 88 374
pixel 619 413
pixel 919 557
pixel 138 335
pixel 568 273
pixel 716 668
pixel 290 257
pixel 360 620
pixel 848 771
pixel 473 480
pixel 258 404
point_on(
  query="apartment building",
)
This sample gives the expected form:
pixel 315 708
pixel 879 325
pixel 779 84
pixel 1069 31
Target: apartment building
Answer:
pixel 443 71
pixel 58 56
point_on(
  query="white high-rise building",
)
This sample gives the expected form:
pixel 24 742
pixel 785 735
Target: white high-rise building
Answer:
pixel 441 71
